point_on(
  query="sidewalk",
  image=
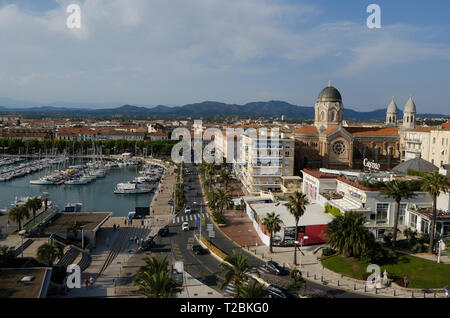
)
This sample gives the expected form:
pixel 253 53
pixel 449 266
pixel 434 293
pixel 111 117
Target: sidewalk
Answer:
pixel 240 230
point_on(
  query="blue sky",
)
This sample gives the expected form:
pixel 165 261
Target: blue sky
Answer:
pixel 151 52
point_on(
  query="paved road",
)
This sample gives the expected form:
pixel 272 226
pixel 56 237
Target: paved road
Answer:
pixel 198 265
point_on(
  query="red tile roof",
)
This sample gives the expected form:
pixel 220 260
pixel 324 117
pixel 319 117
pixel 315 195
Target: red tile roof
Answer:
pixel 307 130
pixel 320 175
pixel 372 131
pixel 330 130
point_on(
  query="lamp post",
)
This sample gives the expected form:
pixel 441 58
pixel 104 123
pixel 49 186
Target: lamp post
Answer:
pixel 301 245
pixel 82 237
pixel 22 233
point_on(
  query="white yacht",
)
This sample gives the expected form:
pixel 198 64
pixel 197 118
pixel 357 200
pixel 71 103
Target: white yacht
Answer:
pixel 43 180
pixel 126 188
pixel 82 180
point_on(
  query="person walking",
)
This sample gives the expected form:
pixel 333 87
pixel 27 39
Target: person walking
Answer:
pixel 125 221
pixel 91 281
pixel 86 283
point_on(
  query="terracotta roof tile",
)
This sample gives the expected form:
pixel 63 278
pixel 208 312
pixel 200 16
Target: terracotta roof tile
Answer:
pixel 330 130
pixel 320 175
pixel 307 130
pixel 372 131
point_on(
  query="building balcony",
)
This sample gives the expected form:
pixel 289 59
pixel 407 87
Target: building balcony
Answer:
pixel 412 140
pixel 413 150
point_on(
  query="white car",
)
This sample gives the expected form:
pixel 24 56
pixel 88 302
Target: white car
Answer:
pixel 187 210
pixel 185 226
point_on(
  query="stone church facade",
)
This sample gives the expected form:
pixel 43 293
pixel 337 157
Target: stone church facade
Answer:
pixel 330 144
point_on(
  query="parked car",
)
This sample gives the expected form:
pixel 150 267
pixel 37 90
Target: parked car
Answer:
pixel 188 187
pixel 187 210
pixel 276 268
pixel 147 244
pixel 185 226
pixel 164 231
pixel 280 292
pixel 198 250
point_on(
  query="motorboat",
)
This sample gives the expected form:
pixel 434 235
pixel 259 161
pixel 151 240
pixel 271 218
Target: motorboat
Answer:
pixel 129 188
pixel 73 207
pixel 42 181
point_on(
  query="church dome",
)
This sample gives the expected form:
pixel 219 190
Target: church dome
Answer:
pixel 330 93
pixel 410 107
pixel 392 108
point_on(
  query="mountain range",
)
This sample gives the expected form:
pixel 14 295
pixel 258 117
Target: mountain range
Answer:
pixel 207 108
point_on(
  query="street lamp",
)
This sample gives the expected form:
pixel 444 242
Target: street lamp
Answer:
pixel 301 245
pixel 82 237
pixel 22 233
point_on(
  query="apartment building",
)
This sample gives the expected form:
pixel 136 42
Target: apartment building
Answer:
pixel 428 143
pixel 266 162
pixel 342 189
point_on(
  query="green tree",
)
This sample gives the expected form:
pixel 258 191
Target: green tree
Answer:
pixel 7 256
pixel 225 178
pixel 74 228
pixel 348 235
pixel 397 190
pixel 34 204
pixel 434 183
pixel 154 279
pixel 224 200
pixel 252 290
pixel 272 223
pixel 49 252
pixel 19 213
pixel 235 270
pixel 296 205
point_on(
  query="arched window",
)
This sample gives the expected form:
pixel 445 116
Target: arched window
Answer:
pixel 332 116
pixel 390 119
pixel 322 116
pixel 411 118
pixel 407 119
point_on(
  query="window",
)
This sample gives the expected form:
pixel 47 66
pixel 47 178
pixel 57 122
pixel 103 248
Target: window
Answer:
pixel 338 147
pixel 286 153
pixel 434 140
pixel 332 116
pixel 382 212
pixel 322 115
pixel 412 220
pixel 424 226
pixel 401 215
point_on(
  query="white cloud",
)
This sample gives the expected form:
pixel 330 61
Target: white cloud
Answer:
pixel 147 48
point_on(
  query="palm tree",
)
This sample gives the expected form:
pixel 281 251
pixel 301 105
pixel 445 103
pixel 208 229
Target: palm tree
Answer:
pixel 225 178
pixel 348 235
pixel 49 252
pixel 18 213
pixel 34 205
pixel 223 200
pixel 297 203
pixel 154 279
pixel 74 227
pixel 397 190
pixel 434 183
pixel 154 265
pixel 252 290
pixel 157 285
pixel 236 273
pixel 272 223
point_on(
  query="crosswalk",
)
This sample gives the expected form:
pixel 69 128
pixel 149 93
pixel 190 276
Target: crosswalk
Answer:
pixel 189 217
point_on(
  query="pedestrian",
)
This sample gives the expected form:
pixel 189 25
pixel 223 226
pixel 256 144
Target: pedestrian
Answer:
pixel 118 226
pixel 114 227
pixel 142 222
pixel 125 221
pixel 130 221
pixel 86 283
pixel 142 241
pixel 405 281
pixel 91 281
